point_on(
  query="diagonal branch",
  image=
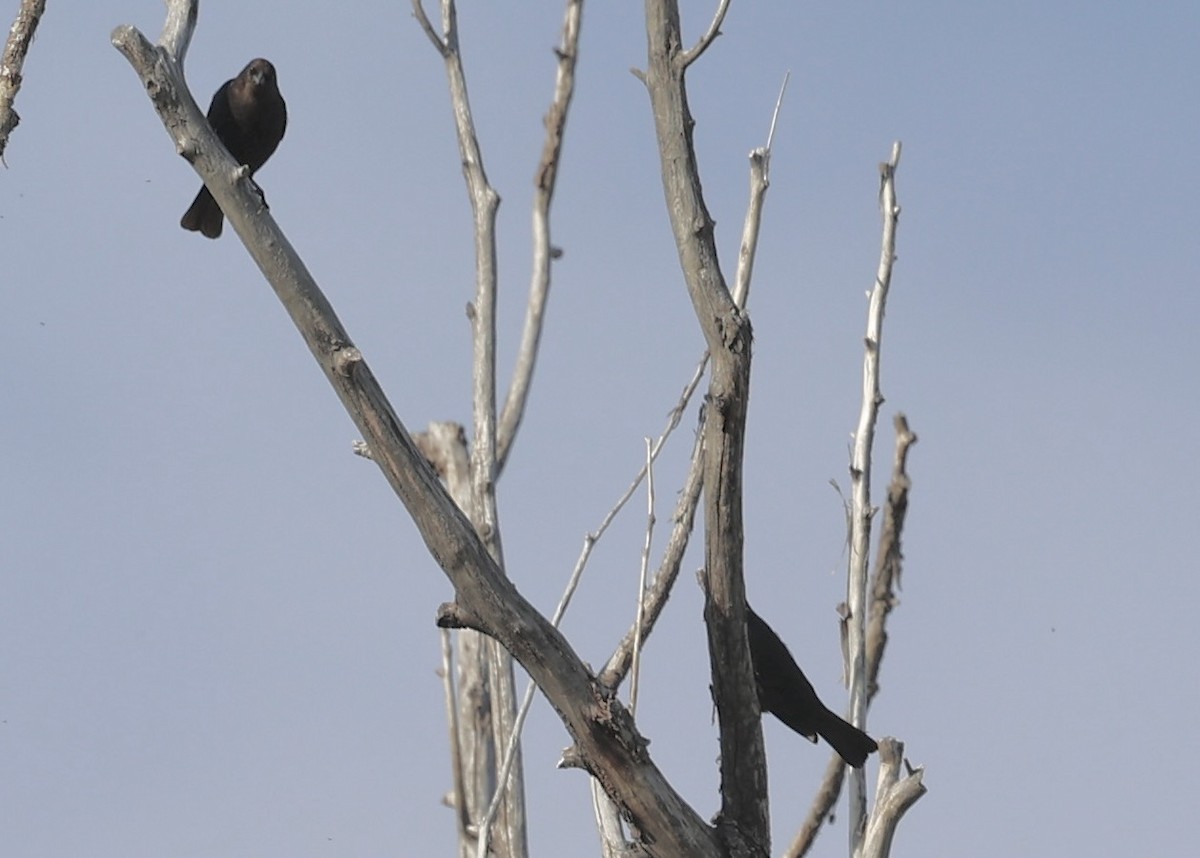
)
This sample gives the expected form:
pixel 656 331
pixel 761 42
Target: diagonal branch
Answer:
pixel 439 44
pixel 714 30
pixel 20 37
pixel 655 598
pixel 161 70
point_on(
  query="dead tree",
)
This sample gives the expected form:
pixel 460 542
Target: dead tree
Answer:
pixel 448 485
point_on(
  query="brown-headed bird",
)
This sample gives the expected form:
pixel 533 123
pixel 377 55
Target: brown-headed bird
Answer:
pixel 785 692
pixel 250 116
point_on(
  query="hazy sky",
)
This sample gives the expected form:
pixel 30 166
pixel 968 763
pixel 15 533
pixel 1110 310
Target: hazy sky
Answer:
pixel 217 623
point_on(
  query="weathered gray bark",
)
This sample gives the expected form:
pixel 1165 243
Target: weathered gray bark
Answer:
pixel 20 37
pixel 743 821
pixel 861 510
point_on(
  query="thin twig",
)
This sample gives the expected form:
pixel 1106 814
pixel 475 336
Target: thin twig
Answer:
pixel 461 814
pixel 714 30
pixel 775 115
pixel 760 181
pixel 618 664
pixel 641 600
pixel 655 598
pixel 439 44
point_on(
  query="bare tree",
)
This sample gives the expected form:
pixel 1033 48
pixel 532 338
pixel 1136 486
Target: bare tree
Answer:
pixel 448 486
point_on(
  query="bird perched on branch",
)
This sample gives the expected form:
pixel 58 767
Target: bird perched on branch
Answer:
pixel 250 116
pixel 785 692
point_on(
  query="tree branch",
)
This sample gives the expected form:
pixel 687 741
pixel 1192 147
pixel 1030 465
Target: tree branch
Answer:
pixel 444 445
pixel 456 766
pixel 640 609
pixel 820 809
pixel 714 30
pixel 889 558
pixel 512 836
pixel 861 511
pixel 743 819
pixel 760 180
pixel 893 797
pixel 543 252
pixel 655 598
pixel 178 28
pixel 437 41
pixel 885 577
pixel 239 197
pixel 20 37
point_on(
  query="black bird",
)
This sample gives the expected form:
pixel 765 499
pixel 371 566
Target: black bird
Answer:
pixel 785 692
pixel 250 116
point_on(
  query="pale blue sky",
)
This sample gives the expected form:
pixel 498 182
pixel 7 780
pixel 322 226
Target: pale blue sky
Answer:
pixel 217 623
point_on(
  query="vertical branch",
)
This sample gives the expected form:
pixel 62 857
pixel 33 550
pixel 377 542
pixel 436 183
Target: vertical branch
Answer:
pixel 886 578
pixel 685 508
pixel 882 600
pixel 860 476
pixel 743 819
pixel 496 663
pixel 608 825
pixel 760 180
pixel 444 446
pixel 640 613
pixel 456 765
pixel 543 252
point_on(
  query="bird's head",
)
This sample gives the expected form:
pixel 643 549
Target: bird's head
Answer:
pixel 259 74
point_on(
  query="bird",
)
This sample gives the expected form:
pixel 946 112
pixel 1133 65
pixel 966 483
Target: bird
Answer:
pixel 249 115
pixel 785 692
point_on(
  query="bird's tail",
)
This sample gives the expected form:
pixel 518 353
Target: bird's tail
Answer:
pixel 851 743
pixel 204 216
